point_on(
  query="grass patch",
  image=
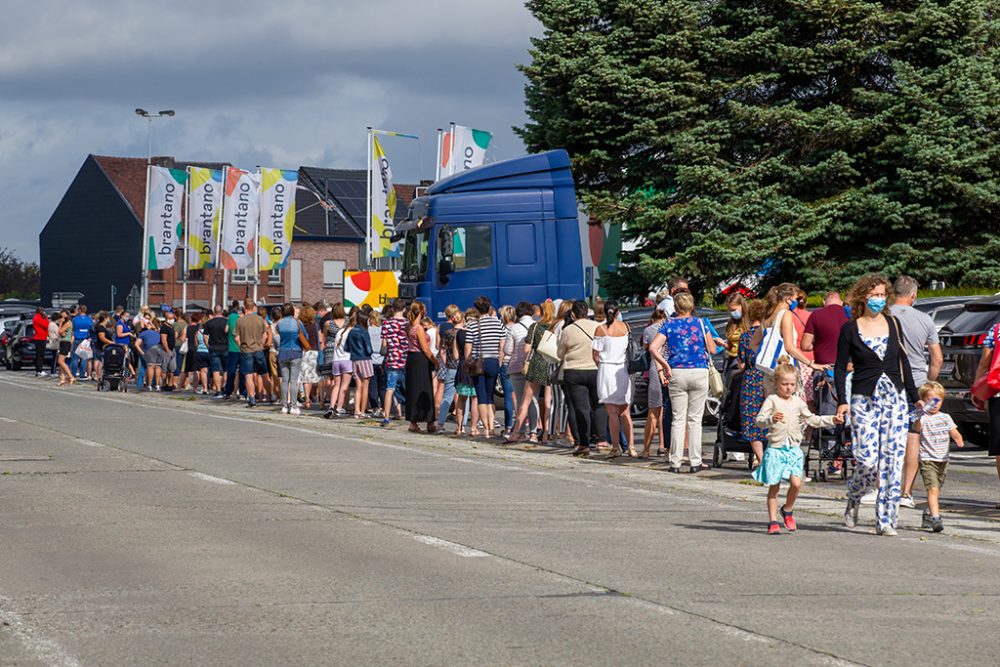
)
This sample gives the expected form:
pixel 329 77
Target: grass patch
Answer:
pixel 181 398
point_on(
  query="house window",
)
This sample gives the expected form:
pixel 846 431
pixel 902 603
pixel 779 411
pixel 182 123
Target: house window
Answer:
pixel 193 276
pixel 333 273
pixel 239 277
pixel 156 275
pixel 274 277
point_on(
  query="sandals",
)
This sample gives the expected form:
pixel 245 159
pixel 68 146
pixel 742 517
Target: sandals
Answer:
pixel 432 428
pixel 582 452
pixel 414 429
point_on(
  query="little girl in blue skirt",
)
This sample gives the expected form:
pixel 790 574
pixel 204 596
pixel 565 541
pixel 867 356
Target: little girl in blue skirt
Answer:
pixel 783 414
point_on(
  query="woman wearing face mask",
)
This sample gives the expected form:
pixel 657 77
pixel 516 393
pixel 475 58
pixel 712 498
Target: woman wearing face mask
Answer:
pixel 781 300
pixel 735 328
pixel 878 409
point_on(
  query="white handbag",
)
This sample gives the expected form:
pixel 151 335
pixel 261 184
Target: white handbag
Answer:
pixel 548 346
pixel 772 348
pixel 716 387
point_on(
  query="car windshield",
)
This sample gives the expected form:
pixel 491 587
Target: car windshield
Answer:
pixel 975 319
pixel 415 255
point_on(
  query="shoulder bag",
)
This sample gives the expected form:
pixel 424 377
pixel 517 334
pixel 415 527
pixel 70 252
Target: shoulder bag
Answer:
pixel 548 346
pixel 988 386
pixel 637 359
pixel 716 387
pixel 474 362
pixel 772 347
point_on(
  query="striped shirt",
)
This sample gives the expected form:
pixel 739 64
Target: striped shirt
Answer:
pixel 935 438
pixel 486 334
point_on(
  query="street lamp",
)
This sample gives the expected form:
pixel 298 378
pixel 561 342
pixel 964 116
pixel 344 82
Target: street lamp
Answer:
pixel 149 131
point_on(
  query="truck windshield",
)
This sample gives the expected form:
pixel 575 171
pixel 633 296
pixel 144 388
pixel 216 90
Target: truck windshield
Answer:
pixel 415 255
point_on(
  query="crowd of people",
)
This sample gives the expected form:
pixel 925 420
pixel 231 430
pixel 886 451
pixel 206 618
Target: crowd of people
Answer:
pixel 567 370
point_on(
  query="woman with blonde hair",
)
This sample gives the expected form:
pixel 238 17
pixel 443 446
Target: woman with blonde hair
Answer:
pixel 420 364
pixel 881 385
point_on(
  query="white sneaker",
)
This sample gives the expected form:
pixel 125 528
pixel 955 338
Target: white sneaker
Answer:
pixel 737 456
pixel 284 409
pixel 851 514
pixel 870 498
pixel 888 531
pixel 42 374
pixel 907 501
pixel 295 411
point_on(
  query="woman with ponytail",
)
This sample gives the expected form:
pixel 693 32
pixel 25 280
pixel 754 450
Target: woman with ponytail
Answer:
pixel 614 385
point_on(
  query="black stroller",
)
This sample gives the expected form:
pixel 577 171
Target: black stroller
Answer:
pixel 828 445
pixel 115 369
pixel 727 435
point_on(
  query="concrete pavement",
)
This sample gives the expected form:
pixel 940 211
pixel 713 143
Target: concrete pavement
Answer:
pixel 152 529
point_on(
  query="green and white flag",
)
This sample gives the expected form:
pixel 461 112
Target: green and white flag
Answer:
pixel 164 207
pixel 464 149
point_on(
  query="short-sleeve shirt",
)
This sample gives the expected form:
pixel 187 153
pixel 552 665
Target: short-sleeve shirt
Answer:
pixel 231 321
pixel 518 332
pixel 167 330
pixel 394 337
pixel 149 338
pixel 486 333
pixel 825 324
pixel 685 344
pixel 217 338
pixel 251 329
pixel 991 337
pixel 935 438
pixel 81 327
pixel 919 331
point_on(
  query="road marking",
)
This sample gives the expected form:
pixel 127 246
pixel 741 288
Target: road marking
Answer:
pixel 8 420
pixel 211 478
pixel 459 549
pixel 46 650
pixel 744 635
pixel 89 443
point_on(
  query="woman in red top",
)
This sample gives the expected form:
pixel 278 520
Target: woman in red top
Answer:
pixel 41 336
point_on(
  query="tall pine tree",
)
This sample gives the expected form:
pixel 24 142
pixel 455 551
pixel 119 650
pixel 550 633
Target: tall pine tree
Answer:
pixel 833 137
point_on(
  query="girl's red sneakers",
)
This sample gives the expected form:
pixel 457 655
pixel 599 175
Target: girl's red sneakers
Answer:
pixel 789 520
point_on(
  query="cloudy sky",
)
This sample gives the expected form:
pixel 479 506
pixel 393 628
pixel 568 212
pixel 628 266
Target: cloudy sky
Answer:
pixel 273 83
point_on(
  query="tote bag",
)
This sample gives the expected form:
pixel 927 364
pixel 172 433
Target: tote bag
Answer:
pixel 548 347
pixel 716 387
pixel 772 347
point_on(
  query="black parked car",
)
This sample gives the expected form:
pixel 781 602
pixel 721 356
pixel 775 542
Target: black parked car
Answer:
pixel 638 319
pixel 962 344
pixel 19 348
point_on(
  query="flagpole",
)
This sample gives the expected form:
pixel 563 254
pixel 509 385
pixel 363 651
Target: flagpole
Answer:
pixel 256 250
pixel 214 261
pixel 368 200
pixel 451 154
pixel 218 245
pixel 145 242
pixel 186 226
pixel 437 164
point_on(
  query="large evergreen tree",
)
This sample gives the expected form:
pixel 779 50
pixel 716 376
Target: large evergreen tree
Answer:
pixel 835 137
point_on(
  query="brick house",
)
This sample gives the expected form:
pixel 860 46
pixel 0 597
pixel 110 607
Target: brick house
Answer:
pixel 92 243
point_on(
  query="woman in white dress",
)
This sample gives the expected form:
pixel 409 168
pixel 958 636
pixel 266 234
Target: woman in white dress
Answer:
pixel 614 386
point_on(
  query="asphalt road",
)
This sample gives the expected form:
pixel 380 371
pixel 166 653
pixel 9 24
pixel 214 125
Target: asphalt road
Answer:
pixel 154 529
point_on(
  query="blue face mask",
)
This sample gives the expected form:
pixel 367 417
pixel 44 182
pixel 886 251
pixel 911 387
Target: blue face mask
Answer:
pixel 736 314
pixel 793 305
pixel 875 304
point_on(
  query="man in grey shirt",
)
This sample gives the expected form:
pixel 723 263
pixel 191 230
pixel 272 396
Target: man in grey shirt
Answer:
pixel 920 337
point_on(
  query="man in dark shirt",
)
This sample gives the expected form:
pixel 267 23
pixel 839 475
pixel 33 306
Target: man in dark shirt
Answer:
pixel 168 339
pixel 217 330
pixel 823 329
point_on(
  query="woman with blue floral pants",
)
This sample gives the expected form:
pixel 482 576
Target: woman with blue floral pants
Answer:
pixel 879 408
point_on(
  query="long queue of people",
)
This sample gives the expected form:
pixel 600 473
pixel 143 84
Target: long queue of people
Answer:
pixel 566 372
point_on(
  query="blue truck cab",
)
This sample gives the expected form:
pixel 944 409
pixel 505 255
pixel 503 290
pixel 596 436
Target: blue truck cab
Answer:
pixel 506 230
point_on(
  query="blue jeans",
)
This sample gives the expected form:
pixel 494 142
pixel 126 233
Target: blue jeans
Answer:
pixel 140 374
pixel 449 395
pixel 77 366
pixel 233 365
pixel 508 397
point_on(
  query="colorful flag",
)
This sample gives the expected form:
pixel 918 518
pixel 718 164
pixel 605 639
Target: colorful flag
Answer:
pixel 204 216
pixel 239 220
pixel 277 216
pixel 463 148
pixel 164 206
pixel 383 204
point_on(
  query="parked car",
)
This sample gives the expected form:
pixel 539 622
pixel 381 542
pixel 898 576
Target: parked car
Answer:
pixel 638 319
pixel 962 345
pixel 19 349
pixel 943 308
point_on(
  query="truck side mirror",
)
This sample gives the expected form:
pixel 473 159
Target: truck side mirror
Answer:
pixel 445 268
pixel 446 243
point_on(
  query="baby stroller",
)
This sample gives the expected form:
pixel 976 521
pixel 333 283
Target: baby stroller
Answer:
pixel 828 444
pixel 115 367
pixel 727 434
